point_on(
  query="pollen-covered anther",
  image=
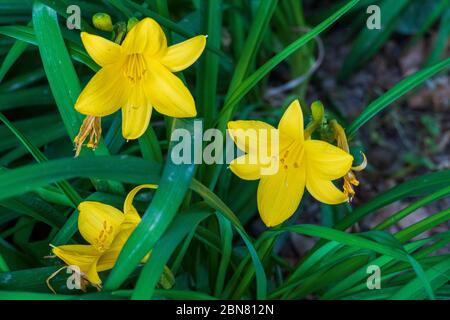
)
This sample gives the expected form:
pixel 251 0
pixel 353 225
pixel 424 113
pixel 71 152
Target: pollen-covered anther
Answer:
pixel 350 181
pixel 92 128
pixel 103 236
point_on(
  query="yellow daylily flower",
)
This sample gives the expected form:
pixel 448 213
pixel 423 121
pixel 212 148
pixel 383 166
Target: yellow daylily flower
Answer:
pixel 302 162
pixel 137 76
pixel 106 229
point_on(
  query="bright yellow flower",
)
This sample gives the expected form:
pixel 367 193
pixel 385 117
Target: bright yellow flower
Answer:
pixel 137 76
pixel 106 229
pixel 301 162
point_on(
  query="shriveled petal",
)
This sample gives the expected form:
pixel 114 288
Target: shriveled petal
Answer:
pixel 326 161
pixel 291 124
pixel 84 257
pixel 279 195
pixel 102 50
pixel 146 37
pixel 182 55
pixel 104 94
pixel 168 94
pixel 246 168
pixel 324 190
pixel 99 223
pixel 250 135
pixel 136 114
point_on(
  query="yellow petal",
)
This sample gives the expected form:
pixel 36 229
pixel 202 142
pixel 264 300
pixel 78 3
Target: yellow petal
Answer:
pixel 168 94
pixel 130 212
pixel 279 195
pixel 132 217
pixel 109 258
pixel 136 114
pixel 104 94
pixel 245 168
pixel 145 37
pixel 324 190
pixel 326 161
pixel 291 124
pixel 84 257
pixel 182 55
pixel 99 223
pixel 103 51
pixel 250 135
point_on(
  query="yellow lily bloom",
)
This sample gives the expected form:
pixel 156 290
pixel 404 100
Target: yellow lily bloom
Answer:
pixel 137 76
pixel 106 229
pixel 302 162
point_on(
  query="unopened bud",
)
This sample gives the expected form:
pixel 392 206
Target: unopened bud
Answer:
pixel 131 23
pixel 102 21
pixel 317 111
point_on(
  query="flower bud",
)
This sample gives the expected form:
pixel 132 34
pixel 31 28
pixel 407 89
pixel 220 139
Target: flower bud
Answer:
pixel 131 23
pixel 318 111
pixel 102 21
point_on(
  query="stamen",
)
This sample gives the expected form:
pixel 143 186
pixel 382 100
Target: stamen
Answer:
pixel 292 155
pixel 52 276
pixel 104 234
pixel 135 67
pixel 350 181
pixel 91 128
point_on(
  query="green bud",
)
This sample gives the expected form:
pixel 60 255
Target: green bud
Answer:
pixel 167 279
pixel 131 23
pixel 102 21
pixel 318 111
pixel 318 118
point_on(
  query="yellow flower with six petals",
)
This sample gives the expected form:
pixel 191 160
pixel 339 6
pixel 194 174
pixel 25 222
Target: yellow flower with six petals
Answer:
pixel 137 76
pixel 302 162
pixel 106 229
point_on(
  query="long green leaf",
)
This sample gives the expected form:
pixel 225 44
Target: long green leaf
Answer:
pixel 125 169
pixel 175 181
pixel 399 90
pixel 178 230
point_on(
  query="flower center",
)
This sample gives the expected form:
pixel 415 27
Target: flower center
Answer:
pixel 105 234
pixel 135 67
pixel 291 156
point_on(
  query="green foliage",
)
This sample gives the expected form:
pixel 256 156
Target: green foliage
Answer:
pixel 196 222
